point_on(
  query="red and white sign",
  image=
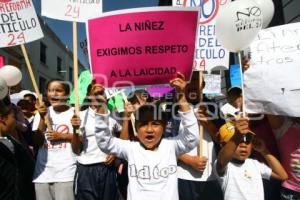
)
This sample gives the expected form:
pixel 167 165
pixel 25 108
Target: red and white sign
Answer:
pixel 142 46
pixel 77 11
pixel 19 23
pixel 209 52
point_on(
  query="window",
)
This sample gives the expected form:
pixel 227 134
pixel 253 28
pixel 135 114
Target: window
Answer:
pixel 70 74
pixel 58 64
pixel 43 56
pixel 42 84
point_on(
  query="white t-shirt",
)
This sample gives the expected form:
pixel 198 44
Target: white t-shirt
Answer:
pixel 55 161
pixel 91 153
pixel 186 172
pixel 152 174
pixel 244 181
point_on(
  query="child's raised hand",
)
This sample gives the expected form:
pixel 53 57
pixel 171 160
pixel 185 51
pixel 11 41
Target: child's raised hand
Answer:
pixel 42 109
pixel 128 109
pixel 75 121
pixel 179 83
pixel 242 125
pixel 201 114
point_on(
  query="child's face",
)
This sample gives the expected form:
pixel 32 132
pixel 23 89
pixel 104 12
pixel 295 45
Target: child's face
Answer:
pixel 150 133
pixel 56 94
pixel 243 151
pixel 8 122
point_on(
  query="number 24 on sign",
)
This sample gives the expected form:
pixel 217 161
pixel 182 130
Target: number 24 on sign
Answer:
pixel 15 38
pixel 72 11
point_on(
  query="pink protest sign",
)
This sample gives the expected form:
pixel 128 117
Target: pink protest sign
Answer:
pixel 142 46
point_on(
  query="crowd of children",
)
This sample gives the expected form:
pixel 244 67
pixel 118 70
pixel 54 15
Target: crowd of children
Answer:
pixel 50 153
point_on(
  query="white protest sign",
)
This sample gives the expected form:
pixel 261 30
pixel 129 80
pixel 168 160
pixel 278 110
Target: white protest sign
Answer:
pixel 111 92
pixel 208 53
pixel 212 84
pixel 272 84
pixel 75 10
pixel 19 23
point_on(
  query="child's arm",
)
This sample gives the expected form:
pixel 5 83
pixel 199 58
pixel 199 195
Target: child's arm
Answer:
pixel 226 153
pixel 189 139
pixel 39 125
pixel 278 171
pixel 106 142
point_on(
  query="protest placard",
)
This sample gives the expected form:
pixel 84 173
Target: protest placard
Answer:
pixel 272 83
pixel 209 53
pixel 142 46
pixel 19 23
pixel 76 10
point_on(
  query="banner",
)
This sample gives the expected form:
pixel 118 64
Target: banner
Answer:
pixel 272 84
pixel 209 53
pixel 19 23
pixel 76 10
pixel 143 46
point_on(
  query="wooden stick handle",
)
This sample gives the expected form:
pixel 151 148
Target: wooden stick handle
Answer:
pixel 35 87
pixel 242 85
pixel 200 146
pixel 75 66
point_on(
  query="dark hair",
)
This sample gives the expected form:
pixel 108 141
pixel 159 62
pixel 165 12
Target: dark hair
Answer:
pixel 63 83
pixel 30 96
pixel 23 104
pixel 151 111
pixel 5 106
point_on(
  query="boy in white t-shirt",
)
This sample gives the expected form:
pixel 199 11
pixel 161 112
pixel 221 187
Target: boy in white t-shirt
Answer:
pixel 239 175
pixel 152 161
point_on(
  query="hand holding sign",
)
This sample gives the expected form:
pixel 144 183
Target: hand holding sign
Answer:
pixel 238 24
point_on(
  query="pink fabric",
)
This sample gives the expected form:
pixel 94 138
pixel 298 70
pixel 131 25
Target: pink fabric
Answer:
pixel 290 157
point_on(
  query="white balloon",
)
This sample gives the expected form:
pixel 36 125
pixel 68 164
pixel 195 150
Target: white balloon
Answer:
pixel 11 74
pixel 3 88
pixel 237 24
pixel 267 9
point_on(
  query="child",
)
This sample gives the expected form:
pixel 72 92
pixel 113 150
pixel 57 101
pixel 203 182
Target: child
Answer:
pixel 56 163
pixel 195 177
pixel 152 161
pixel 239 175
pixel 16 165
pixel 95 177
pixel 287 132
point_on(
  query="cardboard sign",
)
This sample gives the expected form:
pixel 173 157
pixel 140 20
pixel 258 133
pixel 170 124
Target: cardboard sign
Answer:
pixel 142 46
pixel 77 11
pixel 272 84
pixel 208 53
pixel 19 23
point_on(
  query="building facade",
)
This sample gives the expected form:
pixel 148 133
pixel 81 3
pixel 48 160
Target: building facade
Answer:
pixel 50 58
